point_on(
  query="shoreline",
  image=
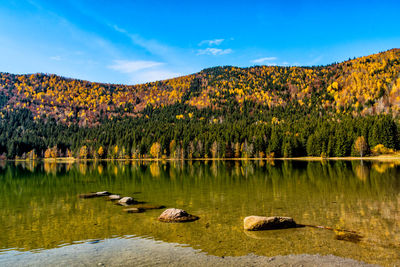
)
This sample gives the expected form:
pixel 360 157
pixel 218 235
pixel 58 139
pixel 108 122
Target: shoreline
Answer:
pixel 135 251
pixel 306 158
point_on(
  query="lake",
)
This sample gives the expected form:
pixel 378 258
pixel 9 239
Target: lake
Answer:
pixel 40 209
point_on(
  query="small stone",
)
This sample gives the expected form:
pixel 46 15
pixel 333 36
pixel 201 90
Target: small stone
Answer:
pixel 97 194
pixel 134 210
pixel 103 193
pixel 347 236
pixel 114 197
pixel 176 215
pixel 126 201
pixel 255 223
pixel 148 206
pixel 89 195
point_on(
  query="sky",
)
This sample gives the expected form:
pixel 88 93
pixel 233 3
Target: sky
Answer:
pixel 131 42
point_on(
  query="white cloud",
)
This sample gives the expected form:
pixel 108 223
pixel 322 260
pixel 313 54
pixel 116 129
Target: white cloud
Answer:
pixel 142 71
pixel 211 42
pixel 263 59
pixel 214 51
pixel 169 62
pixel 126 66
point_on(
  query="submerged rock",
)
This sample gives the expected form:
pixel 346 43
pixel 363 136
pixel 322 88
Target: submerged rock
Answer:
pixel 148 206
pixel 255 223
pixel 126 201
pixel 347 236
pixel 97 194
pixel 134 210
pixel 103 193
pixel 114 197
pixel 176 215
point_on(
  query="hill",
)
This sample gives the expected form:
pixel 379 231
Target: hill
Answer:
pixel 236 106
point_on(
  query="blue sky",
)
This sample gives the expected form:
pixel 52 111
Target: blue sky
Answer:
pixel 138 41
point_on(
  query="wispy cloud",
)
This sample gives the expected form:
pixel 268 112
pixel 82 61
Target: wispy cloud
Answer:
pixel 141 71
pixel 126 66
pixel 211 42
pixel 167 60
pixel 263 59
pixel 151 46
pixel 214 51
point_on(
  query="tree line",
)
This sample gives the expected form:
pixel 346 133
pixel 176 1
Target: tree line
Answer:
pixel 249 130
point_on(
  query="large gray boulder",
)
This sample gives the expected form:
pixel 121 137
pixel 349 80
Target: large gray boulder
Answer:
pixel 176 215
pixel 256 223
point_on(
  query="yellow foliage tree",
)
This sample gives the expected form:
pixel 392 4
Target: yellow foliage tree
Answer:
pixel 361 145
pixel 83 152
pixel 155 150
pixel 47 153
pixel 100 152
pixel 381 149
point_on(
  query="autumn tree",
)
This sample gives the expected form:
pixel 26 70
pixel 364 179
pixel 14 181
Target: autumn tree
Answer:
pixel 32 155
pixel 214 149
pixel 47 153
pixel 69 153
pixel 100 152
pixel 83 152
pixel 361 146
pixel 172 148
pixel 155 150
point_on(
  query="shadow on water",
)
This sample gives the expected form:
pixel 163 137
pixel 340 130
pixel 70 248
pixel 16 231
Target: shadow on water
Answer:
pixel 39 207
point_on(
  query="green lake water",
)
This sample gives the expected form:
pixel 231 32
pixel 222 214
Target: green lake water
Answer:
pixel 40 210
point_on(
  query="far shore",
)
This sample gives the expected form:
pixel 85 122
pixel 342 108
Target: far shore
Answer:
pixel 389 158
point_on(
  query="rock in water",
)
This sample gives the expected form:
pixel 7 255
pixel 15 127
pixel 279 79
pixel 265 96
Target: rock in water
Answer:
pixel 347 236
pixel 255 223
pixel 90 195
pixel 126 201
pixel 103 193
pixel 114 197
pixel 176 215
pixel 148 206
pixel 97 194
pixel 134 210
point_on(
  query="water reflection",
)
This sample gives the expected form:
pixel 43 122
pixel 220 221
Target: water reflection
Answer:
pixel 39 207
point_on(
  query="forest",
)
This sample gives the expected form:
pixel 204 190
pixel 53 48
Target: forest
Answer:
pixel 343 109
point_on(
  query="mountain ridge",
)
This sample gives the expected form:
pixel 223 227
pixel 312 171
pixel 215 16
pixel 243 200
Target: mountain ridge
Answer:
pixel 364 85
pixel 342 109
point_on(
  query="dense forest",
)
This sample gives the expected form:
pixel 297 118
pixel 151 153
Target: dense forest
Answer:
pixel 343 109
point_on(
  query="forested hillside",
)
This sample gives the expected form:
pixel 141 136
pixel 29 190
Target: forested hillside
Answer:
pixel 349 108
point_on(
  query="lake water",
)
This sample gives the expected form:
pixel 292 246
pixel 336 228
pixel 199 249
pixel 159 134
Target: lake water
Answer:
pixel 40 210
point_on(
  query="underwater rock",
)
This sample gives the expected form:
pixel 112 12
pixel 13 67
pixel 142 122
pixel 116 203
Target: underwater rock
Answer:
pixel 256 223
pixel 176 215
pixel 126 201
pixel 103 193
pixel 114 197
pixel 347 236
pixel 97 194
pixel 148 206
pixel 134 210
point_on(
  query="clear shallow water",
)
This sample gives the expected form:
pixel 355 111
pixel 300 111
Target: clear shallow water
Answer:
pixel 39 207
